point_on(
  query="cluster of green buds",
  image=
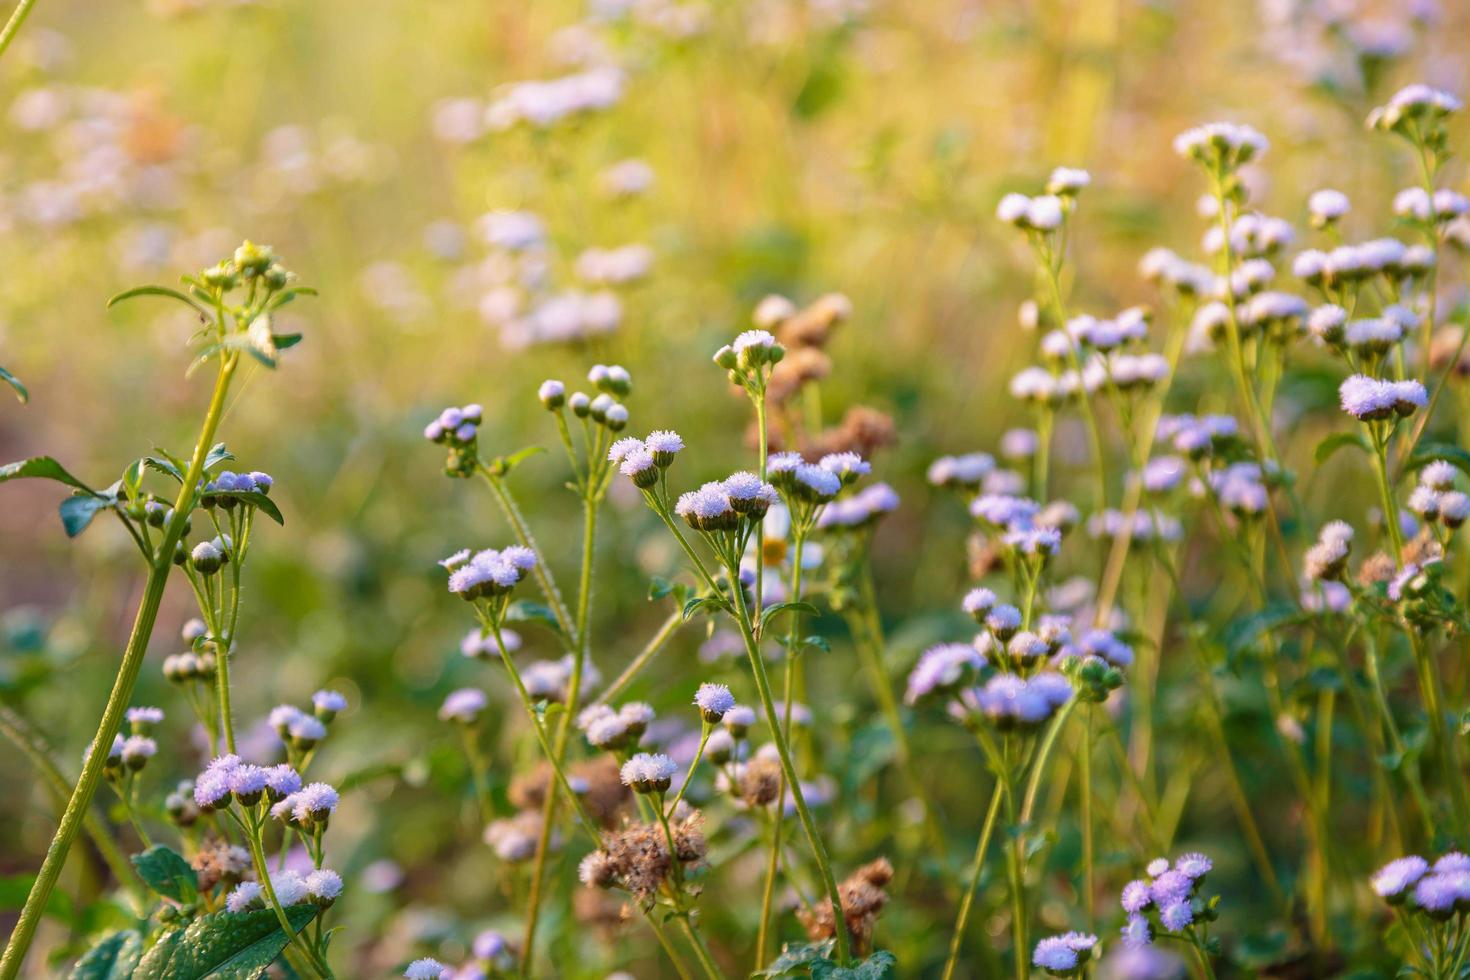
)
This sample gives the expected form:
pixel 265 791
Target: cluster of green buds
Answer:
pixel 750 359
pixel 197 664
pixel 1419 114
pixel 250 265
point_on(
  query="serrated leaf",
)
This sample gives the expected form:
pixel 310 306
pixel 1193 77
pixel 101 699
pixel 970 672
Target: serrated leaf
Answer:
pixel 77 512
pixel 165 291
pixel 113 957
pixel 41 468
pixel 771 612
pixel 222 946
pixel 165 466
pixel 167 873
pixel 1338 440
pixel 14 382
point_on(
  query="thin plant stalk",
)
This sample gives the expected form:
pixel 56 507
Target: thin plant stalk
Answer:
pixel 977 867
pixel 122 689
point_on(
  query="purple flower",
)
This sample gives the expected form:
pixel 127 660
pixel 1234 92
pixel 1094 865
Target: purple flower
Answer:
pixel 1176 917
pixel 1136 897
pixel 1395 877
pixel 713 700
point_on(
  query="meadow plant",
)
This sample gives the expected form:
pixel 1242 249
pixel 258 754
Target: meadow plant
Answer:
pixel 1169 611
pixel 234 302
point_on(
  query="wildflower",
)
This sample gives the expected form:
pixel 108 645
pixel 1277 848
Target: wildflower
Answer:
pixel 649 773
pixel 1438 475
pixel 664 444
pixel 327 704
pixel 713 700
pixel 1063 955
pixel 553 394
pixel 1066 181
pixel 1136 933
pixel 636 717
pixel 306 731
pixel 245 897
pixel 816 484
pixel 426 969
pixel 1193 865
pixel 748 494
pixel 978 603
pixel 1454 508
pixel 464 706
pixel 137 750
pixel 280 782
pixel 1327 323
pixel 247 783
pixel 940 670
pixel 1137 896
pixel 1369 399
pixel 1395 878
pixel 1327 206
pixel 1222 147
pixel 962 471
pixel 1003 621
pixel 1177 916
pixel 739 719
pixel 315 803
pixel 142 720
pixel 848 466
pixel 323 886
pixel 289 887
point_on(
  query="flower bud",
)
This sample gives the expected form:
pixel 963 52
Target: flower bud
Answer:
pixel 580 404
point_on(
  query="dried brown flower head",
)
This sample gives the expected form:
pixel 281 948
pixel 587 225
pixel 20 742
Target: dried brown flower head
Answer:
pixel 863 898
pixel 221 863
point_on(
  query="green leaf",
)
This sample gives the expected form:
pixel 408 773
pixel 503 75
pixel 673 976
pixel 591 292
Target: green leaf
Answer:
pixel 14 382
pixel 526 611
pixel 771 612
pixel 287 295
pixel 256 499
pixel 165 291
pixel 113 957
pixel 41 468
pixel 216 455
pixel 1327 447
pixel 132 478
pixel 165 466
pixel 797 958
pixel 284 341
pixel 77 512
pixel 1431 451
pixel 222 946
pixel 879 966
pixel 168 873
pixel 700 603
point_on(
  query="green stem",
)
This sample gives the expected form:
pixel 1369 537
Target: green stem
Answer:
pixel 257 856
pixel 669 950
pixel 522 531
pixel 12 26
pixel 650 650
pixel 783 749
pixel 977 867
pixel 122 689
pixel 557 755
pixel 1084 774
pixel 787 683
